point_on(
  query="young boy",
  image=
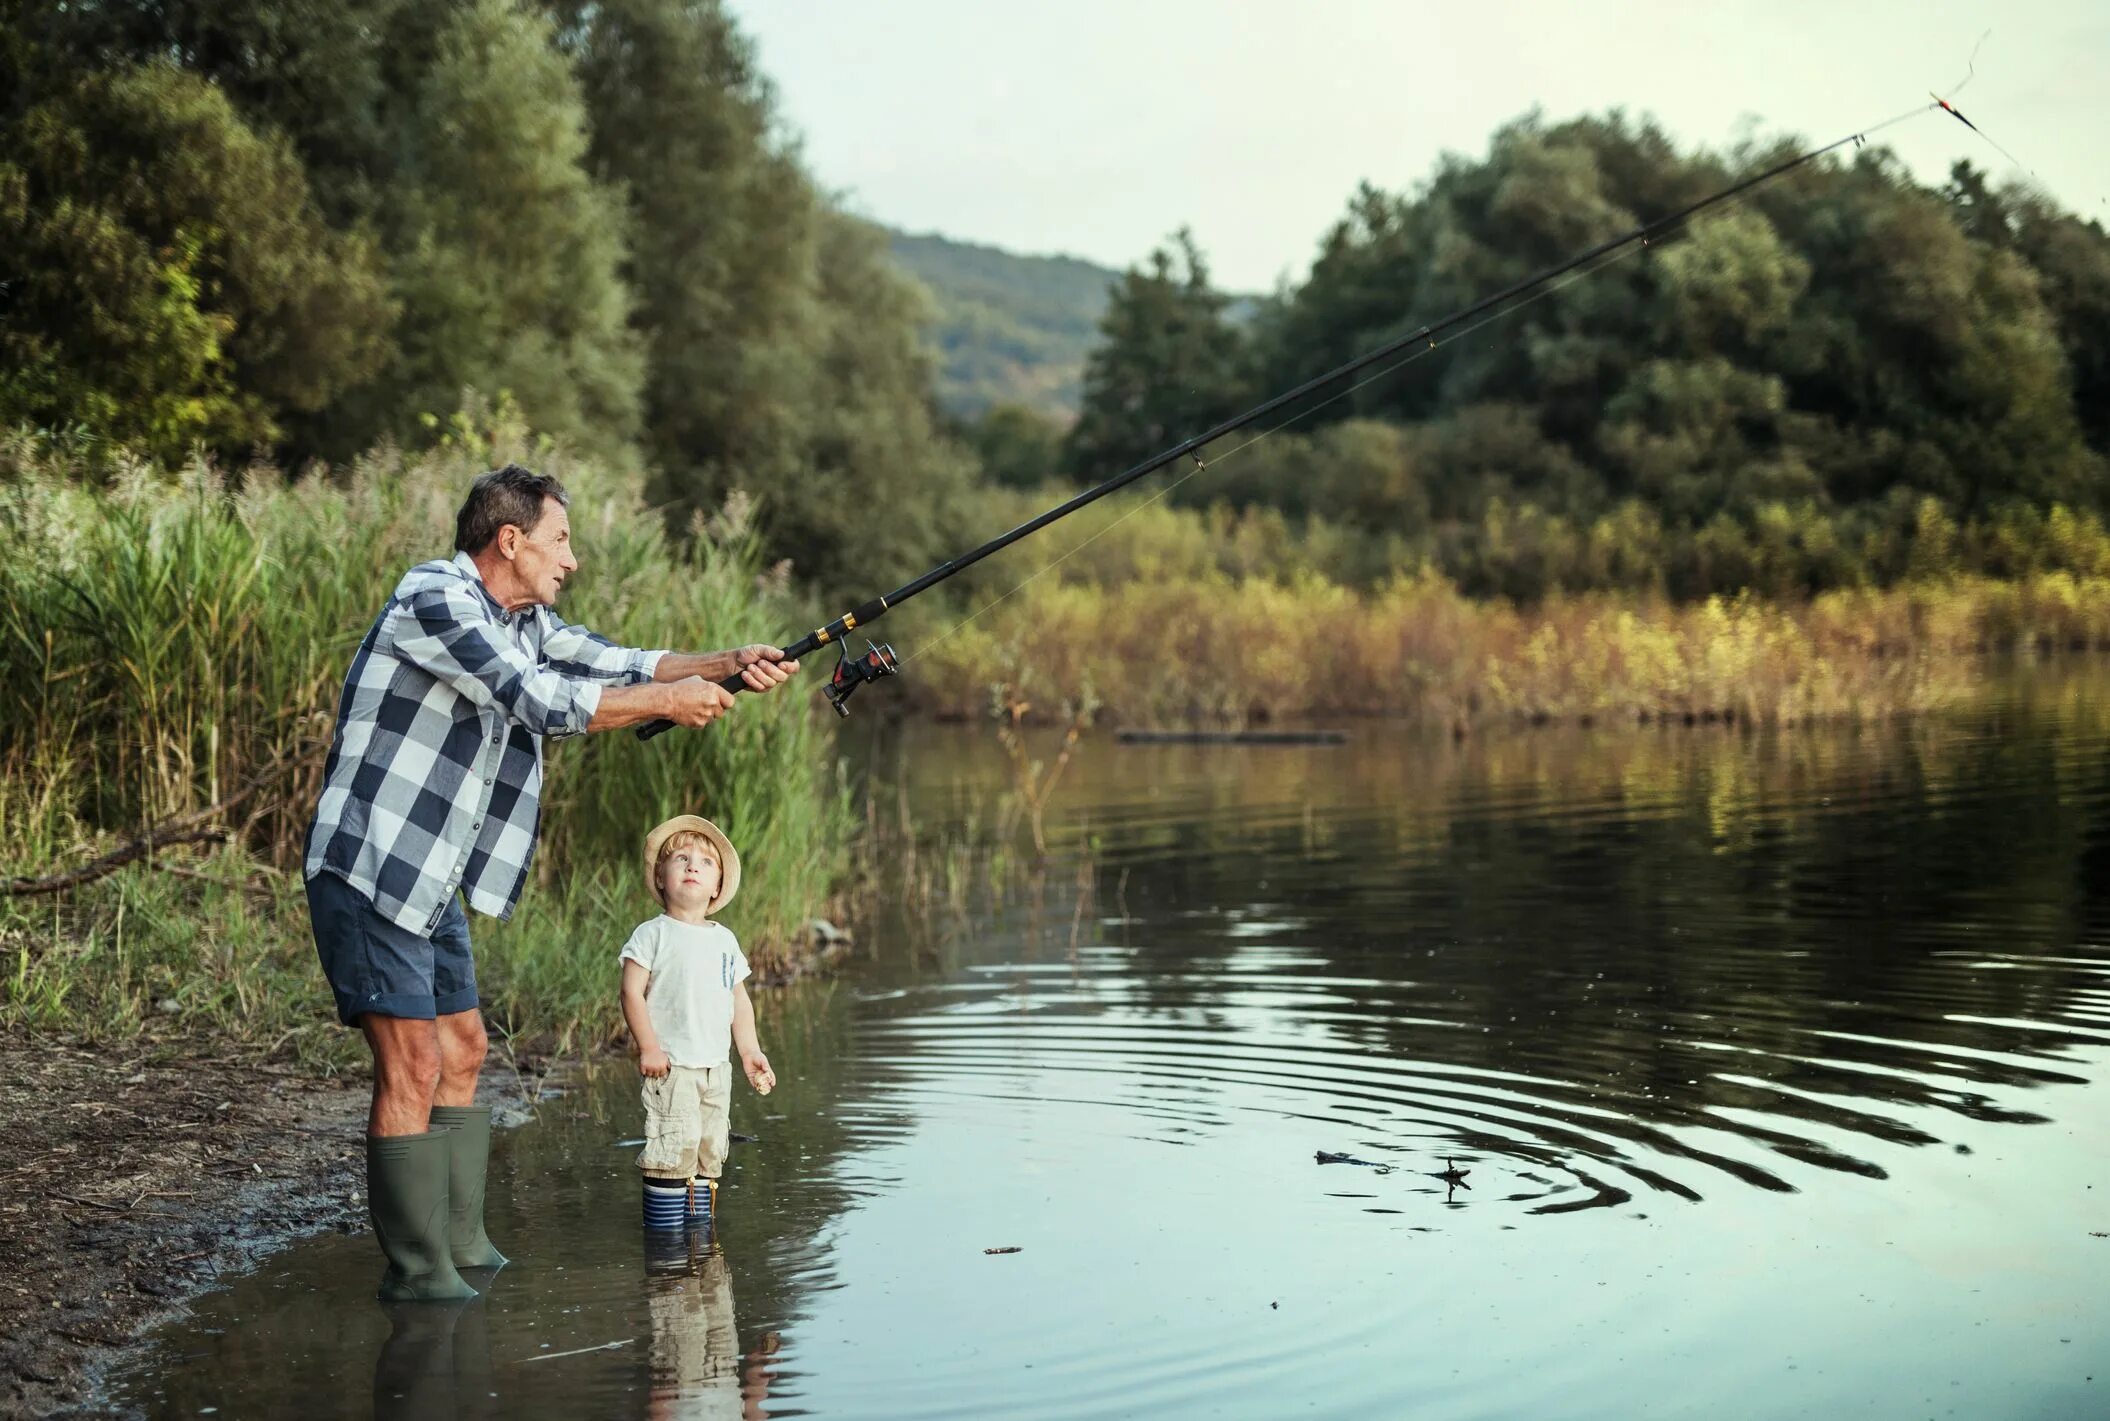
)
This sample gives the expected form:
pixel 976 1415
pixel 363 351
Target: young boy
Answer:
pixel 685 997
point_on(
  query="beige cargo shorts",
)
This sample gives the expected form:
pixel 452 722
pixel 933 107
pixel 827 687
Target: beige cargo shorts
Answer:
pixel 688 1122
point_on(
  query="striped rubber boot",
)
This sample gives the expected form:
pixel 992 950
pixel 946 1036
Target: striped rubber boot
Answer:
pixel 703 1202
pixel 666 1203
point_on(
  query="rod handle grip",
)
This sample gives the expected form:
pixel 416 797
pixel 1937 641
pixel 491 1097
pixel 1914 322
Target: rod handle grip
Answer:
pixel 804 646
pixel 651 728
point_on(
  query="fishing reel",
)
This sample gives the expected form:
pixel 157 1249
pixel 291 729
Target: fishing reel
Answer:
pixel 852 672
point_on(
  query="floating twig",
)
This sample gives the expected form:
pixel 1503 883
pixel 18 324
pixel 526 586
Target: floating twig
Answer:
pixel 581 1351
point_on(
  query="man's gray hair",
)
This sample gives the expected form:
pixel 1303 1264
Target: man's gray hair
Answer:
pixel 508 495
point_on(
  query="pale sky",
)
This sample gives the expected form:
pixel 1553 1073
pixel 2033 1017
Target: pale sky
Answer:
pixel 1097 127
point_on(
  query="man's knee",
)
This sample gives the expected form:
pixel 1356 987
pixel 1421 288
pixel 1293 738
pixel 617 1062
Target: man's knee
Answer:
pixel 463 1043
pixel 406 1057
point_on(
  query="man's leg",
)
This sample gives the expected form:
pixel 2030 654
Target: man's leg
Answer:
pixel 408 1062
pixel 463 1046
pixel 456 1005
pixel 381 976
pixel 468 1126
pixel 407 1162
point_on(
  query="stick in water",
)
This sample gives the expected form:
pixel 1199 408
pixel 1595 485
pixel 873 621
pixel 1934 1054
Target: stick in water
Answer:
pixel 581 1351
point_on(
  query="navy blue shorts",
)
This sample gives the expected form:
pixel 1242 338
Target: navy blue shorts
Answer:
pixel 375 966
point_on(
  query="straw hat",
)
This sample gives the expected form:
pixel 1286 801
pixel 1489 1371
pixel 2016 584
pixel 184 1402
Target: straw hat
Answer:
pixel 728 857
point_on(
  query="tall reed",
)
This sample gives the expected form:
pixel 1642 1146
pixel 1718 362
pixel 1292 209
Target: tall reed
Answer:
pixel 166 639
pixel 1207 646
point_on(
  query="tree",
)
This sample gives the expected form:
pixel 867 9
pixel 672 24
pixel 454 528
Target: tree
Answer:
pixel 726 234
pixel 447 139
pixel 174 282
pixel 1016 446
pixel 1169 364
pixel 327 74
pixel 879 494
pixel 1929 353
pixel 507 255
pixel 784 356
pixel 2072 262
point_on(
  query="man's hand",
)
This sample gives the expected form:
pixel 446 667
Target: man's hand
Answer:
pixel 697 702
pixel 762 667
pixel 653 1062
pixel 759 1075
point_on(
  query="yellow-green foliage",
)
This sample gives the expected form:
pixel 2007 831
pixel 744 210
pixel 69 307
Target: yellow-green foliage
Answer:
pixel 1185 639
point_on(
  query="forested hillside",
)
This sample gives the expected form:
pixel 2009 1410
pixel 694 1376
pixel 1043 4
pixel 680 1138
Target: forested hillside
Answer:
pixel 1008 329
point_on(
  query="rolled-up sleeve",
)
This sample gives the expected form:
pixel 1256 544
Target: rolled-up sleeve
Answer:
pixel 443 632
pixel 575 651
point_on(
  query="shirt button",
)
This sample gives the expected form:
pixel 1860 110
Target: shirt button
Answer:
pixel 477 825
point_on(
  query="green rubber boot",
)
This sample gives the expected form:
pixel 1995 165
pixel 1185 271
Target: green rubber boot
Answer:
pixel 468 1130
pixel 406 1196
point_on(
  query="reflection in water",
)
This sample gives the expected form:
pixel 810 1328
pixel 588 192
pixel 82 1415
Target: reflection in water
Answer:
pixel 1618 962
pixel 697 1366
pixel 436 1362
pixel 1767 1070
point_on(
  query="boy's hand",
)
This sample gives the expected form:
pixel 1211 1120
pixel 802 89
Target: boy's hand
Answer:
pixel 759 1075
pixel 653 1062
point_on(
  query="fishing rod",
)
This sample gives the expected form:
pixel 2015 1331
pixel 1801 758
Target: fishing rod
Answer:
pixel 878 661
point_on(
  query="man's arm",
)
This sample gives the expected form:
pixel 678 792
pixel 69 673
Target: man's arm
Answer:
pixel 685 689
pixel 694 702
pixel 579 652
pixel 443 632
pixel 575 651
pixel 761 667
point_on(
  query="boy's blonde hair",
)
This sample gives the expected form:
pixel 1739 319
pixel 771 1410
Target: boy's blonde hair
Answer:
pixel 682 839
pixel 688 831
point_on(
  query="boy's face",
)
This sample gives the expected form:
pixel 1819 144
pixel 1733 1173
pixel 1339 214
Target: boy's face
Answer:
pixel 688 875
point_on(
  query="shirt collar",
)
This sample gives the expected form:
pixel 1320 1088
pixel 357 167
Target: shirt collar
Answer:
pixel 468 565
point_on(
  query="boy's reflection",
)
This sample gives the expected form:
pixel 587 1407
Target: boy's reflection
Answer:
pixel 437 1360
pixel 697 1366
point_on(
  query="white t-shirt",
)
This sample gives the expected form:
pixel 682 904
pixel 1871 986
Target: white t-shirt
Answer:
pixel 694 968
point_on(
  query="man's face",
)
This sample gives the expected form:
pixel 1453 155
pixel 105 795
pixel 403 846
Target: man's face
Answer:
pixel 543 558
pixel 689 877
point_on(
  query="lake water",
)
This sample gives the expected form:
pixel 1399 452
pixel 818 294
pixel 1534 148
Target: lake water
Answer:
pixel 1775 1065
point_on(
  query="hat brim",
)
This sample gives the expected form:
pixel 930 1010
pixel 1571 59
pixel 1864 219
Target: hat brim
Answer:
pixel 728 857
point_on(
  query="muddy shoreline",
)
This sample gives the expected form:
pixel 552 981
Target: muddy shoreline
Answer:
pixel 136 1177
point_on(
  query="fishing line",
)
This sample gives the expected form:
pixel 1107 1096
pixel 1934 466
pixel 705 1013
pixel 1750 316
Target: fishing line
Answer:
pixel 1970 66
pixel 1633 248
pixel 1970 73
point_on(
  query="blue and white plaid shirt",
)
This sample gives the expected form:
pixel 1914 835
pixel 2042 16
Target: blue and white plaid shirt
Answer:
pixel 435 772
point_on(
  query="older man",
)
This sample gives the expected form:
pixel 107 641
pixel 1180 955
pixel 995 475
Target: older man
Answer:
pixel 430 797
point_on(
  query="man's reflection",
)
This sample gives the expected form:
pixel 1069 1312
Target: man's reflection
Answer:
pixel 436 1362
